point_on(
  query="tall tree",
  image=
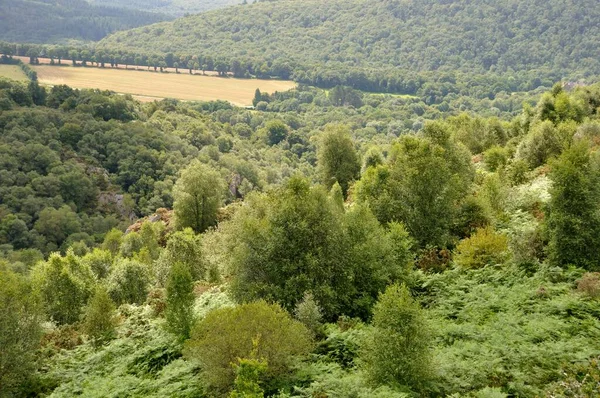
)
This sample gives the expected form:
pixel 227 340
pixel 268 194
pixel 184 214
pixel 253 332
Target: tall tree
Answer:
pixel 298 239
pixel 100 319
pixel 197 197
pixel 421 186
pixel 573 219
pixel 338 160
pixel 20 330
pixel 180 300
pixel 396 351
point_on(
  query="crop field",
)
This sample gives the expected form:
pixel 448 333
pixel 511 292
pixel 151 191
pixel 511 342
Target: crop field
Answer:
pixel 150 85
pixel 12 72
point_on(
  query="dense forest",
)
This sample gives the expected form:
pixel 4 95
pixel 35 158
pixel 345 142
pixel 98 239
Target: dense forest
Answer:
pixel 317 246
pixel 52 21
pixel 386 45
pixel 176 8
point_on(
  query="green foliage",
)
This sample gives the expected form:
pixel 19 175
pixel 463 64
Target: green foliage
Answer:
pixel 579 380
pixel 26 22
pixel 180 300
pixel 484 247
pixel 100 317
pixel 420 186
pixel 100 262
pixel 230 333
pixel 337 158
pixel 308 312
pixel 370 53
pixel 573 218
pixel 65 284
pixel 128 282
pixel 397 350
pixel 20 331
pixel 505 328
pixel 276 131
pixel 198 195
pixel 145 361
pixel 248 373
pixel 495 158
pixel 542 143
pixel 296 239
pixel 183 247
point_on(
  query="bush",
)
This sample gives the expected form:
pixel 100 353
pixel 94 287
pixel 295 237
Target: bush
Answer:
pixel 128 282
pixel 396 351
pixel 485 247
pixel 589 285
pixel 100 320
pixel 227 334
pixel 65 283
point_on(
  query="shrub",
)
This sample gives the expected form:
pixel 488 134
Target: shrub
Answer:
pixel 589 285
pixel 128 282
pixel 100 320
pixel 485 247
pixel 227 334
pixel 65 283
pixel 396 351
pixel 308 312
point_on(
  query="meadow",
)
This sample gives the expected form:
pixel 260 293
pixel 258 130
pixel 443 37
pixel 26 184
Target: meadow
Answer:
pixel 149 85
pixel 12 72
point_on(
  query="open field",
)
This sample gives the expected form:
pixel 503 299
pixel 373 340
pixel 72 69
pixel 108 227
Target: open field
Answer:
pixel 152 85
pixel 12 72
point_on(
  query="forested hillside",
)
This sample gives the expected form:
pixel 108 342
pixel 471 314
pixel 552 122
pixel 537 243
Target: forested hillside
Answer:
pixel 329 243
pixel 51 21
pixel 176 8
pixel 386 45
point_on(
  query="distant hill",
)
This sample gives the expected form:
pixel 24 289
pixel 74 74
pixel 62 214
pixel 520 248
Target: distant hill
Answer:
pixel 51 21
pixel 365 42
pixel 171 7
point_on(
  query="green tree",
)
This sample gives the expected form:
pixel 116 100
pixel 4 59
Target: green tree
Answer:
pixel 397 350
pixel 183 247
pixel 100 317
pixel 112 241
pixel 338 160
pixel 20 331
pixel 227 334
pixel 573 219
pixel 65 284
pixel 197 197
pixel 422 187
pixel 180 301
pixel 298 239
pixel 276 131
pixel 128 282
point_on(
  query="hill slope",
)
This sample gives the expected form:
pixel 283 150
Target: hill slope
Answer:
pixel 49 21
pixel 341 36
pixel 171 7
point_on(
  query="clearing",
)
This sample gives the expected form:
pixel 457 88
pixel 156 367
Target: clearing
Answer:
pixel 12 72
pixel 150 85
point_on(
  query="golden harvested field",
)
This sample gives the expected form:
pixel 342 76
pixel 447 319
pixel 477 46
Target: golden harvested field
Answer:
pixel 149 86
pixel 12 72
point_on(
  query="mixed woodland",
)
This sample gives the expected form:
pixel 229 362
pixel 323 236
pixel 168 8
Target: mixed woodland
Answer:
pixel 324 250
pixel 418 218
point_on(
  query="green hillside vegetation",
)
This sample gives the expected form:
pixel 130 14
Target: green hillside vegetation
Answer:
pixel 458 258
pixel 395 46
pixel 52 21
pixel 176 8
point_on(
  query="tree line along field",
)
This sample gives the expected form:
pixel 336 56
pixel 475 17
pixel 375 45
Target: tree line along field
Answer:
pixel 145 84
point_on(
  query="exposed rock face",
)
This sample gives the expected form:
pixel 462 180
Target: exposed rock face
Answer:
pixel 161 215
